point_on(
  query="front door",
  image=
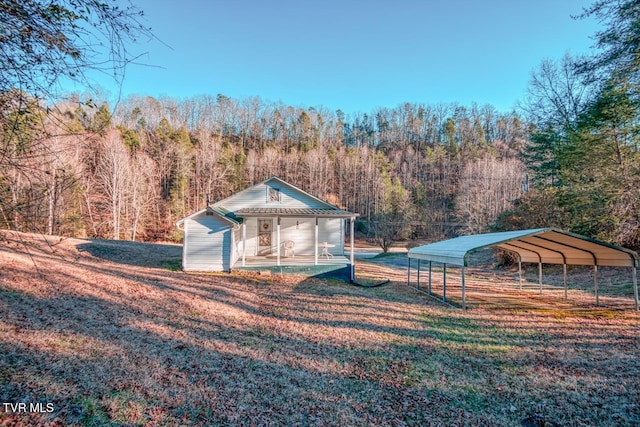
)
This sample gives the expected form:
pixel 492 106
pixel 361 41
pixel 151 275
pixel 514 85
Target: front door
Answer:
pixel 265 228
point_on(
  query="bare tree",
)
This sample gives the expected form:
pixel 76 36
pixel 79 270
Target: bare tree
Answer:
pixel 112 176
pixel 556 94
pixel 45 41
pixel 488 186
pixel 142 192
pixel 392 222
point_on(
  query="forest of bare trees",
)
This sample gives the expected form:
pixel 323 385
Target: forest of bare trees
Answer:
pixel 423 171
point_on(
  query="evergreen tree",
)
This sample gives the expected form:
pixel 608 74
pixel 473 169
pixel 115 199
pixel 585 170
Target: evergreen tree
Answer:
pixel 541 156
pixel 600 167
pixel 101 120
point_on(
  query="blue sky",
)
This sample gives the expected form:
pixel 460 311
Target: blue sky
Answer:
pixel 353 55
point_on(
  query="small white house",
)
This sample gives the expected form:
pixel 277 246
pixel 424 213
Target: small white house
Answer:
pixel 271 224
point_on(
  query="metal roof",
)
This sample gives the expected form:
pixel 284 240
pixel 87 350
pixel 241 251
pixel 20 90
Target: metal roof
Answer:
pixel 544 245
pixel 311 212
pixel 222 213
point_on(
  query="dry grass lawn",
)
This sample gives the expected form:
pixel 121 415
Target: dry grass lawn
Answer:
pixel 110 333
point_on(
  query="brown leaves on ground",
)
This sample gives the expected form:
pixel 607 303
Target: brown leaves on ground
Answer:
pixel 108 334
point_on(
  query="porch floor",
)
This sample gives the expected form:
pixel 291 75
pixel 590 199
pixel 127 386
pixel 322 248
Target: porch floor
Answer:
pixel 338 267
pixel 298 260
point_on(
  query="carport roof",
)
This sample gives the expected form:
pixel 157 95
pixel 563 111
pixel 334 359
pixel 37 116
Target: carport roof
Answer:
pixel 544 245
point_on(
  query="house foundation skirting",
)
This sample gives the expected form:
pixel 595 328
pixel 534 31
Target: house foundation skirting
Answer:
pixel 320 270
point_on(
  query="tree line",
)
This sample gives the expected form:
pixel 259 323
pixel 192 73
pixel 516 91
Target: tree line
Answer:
pixel 569 157
pixel 414 170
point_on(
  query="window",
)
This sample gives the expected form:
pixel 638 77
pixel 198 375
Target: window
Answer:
pixel 273 195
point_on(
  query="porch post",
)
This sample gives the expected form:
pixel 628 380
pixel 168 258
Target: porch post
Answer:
pixel 278 242
pixel 315 245
pixel 634 280
pixel 429 282
pixel 244 242
pixel 351 238
pixel 418 274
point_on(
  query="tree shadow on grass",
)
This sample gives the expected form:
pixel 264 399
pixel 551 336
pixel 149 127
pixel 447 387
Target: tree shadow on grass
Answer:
pixel 101 361
pixel 154 255
pixel 147 346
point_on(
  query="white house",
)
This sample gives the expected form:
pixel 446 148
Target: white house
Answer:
pixel 272 224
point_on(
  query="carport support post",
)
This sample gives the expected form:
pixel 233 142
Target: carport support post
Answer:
pixel 520 271
pixel 635 286
pixel 418 287
pixel 429 282
pixel 464 299
pixel 595 283
pixel 564 278
pixel 540 276
pixel 444 282
pixel 409 271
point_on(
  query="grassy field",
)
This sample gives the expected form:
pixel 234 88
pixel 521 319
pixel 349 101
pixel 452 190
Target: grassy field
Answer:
pixel 109 333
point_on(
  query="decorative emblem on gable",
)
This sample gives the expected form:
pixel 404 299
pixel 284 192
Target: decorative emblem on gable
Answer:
pixel 273 195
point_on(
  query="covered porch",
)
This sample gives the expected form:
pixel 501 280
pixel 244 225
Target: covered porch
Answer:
pixel 270 238
pixel 339 267
pixel 265 261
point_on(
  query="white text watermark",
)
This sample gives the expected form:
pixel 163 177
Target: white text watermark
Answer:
pixel 25 408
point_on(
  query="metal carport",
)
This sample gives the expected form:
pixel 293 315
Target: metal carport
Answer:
pixel 540 245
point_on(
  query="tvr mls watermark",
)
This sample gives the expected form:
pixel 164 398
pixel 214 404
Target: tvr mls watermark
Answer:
pixel 24 408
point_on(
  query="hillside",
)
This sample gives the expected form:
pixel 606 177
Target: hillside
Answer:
pixel 109 333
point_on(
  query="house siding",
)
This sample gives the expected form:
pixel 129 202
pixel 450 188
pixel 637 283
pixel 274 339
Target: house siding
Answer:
pixel 330 230
pixel 302 236
pixel 208 242
pixel 257 197
pixel 252 236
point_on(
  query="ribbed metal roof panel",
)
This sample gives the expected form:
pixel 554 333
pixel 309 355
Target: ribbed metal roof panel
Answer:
pixel 294 212
pixel 545 245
